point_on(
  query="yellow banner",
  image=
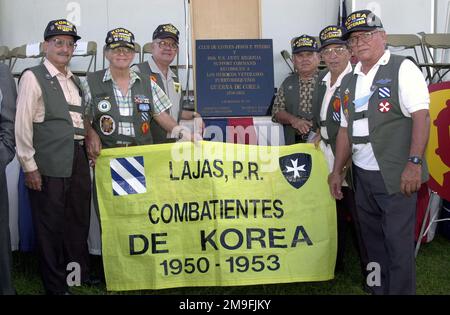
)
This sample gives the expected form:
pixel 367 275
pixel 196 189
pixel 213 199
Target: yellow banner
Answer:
pixel 214 214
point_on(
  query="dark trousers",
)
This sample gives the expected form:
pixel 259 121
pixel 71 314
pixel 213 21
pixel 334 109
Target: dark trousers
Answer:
pixel 346 208
pixel 61 215
pixel 387 226
pixel 6 286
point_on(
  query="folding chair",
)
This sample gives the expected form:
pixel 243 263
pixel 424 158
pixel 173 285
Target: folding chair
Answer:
pixel 146 50
pixel 408 42
pixel 4 54
pixel 27 51
pixel 435 201
pixel 287 58
pixel 137 49
pixel 436 49
pixel 405 42
pixel 86 49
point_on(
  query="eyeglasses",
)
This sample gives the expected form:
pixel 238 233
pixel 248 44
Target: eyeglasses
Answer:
pixel 365 37
pixel 122 50
pixel 61 42
pixel 163 44
pixel 339 51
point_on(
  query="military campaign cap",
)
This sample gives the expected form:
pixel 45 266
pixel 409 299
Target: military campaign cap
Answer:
pixel 362 20
pixel 166 31
pixel 332 34
pixel 61 27
pixel 119 37
pixel 304 43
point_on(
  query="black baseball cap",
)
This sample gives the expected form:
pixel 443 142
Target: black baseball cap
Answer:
pixel 332 34
pixel 362 20
pixel 60 27
pixel 167 31
pixel 119 37
pixel 304 43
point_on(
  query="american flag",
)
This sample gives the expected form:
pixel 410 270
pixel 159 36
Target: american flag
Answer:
pixel 342 13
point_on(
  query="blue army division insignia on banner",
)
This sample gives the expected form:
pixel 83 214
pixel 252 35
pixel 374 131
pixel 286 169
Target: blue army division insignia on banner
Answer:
pixel 128 176
pixel 296 168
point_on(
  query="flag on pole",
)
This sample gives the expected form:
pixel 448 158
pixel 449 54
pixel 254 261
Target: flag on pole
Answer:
pixel 342 14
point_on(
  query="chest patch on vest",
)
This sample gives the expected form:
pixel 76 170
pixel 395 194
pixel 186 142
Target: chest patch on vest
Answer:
pixel 153 78
pixel 107 125
pixel 145 127
pixel 384 81
pixel 345 104
pixel 177 87
pixel 384 106
pixel 141 99
pixel 104 106
pixel 143 107
pixel 384 92
pixel 337 109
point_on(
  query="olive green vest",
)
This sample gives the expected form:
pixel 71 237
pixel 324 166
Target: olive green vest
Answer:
pixel 107 115
pixel 53 139
pixel 389 131
pixel 158 133
pixel 332 122
pixel 291 86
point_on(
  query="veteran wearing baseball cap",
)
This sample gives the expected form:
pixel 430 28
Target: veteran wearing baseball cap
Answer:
pixel 50 146
pixel 164 48
pixel 384 130
pixel 327 110
pixel 293 103
pixel 122 105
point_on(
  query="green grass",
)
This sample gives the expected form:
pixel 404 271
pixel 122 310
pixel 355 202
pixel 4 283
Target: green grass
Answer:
pixel 433 277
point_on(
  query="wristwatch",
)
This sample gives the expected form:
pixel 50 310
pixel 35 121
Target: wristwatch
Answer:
pixel 415 160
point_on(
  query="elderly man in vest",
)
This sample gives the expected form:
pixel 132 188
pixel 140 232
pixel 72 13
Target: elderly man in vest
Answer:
pixel 293 104
pixel 50 147
pixel 327 112
pixel 7 115
pixel 123 104
pixel 164 49
pixel 385 128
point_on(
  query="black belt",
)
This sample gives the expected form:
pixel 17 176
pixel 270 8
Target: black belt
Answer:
pixel 326 141
pixel 79 142
pixel 301 138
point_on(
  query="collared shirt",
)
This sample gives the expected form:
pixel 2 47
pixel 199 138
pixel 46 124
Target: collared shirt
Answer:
pixel 330 90
pixel 125 103
pixel 413 96
pixel 306 93
pixel 31 109
pixel 172 88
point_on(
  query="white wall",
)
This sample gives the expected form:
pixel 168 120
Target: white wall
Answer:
pixel 443 16
pixel 283 20
pixel 401 16
pixel 24 21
